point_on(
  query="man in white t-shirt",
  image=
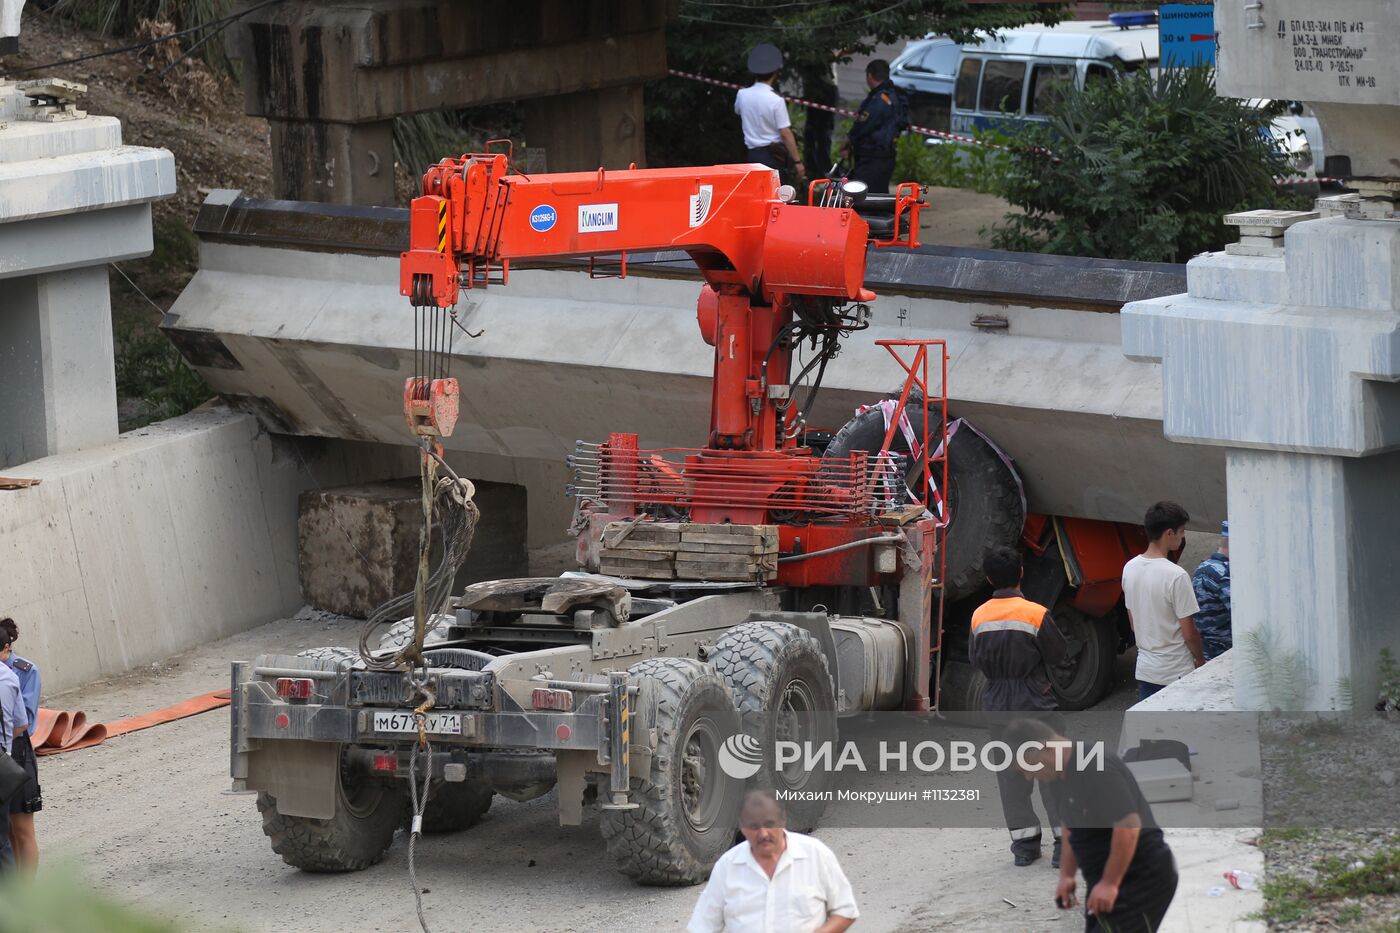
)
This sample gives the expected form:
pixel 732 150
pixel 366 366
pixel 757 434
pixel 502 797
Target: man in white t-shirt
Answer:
pixel 775 880
pixel 764 116
pixel 1162 603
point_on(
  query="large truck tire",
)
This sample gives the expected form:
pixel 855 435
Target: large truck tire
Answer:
pixel 400 633
pixel 961 688
pixel 333 654
pixel 456 805
pixel 984 494
pixel 366 816
pixel 1088 673
pixel 781 682
pixel 687 810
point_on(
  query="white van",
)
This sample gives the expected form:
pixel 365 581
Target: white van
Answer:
pixel 1007 79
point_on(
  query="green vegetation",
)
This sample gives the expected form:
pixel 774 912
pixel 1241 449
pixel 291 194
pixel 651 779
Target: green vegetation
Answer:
pixel 1144 168
pixel 689 123
pixel 953 165
pixel 1288 898
pixel 153 380
pixel 1388 673
pixel 58 903
pixel 123 17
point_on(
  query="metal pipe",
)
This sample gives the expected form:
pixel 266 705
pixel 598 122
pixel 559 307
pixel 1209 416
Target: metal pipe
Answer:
pixel 297 672
pixel 848 546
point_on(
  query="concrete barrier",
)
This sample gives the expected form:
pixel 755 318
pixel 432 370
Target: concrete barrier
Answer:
pixel 173 535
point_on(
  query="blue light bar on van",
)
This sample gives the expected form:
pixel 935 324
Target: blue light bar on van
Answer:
pixel 1124 20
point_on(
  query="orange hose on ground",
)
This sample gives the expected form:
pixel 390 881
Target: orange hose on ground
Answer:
pixel 62 731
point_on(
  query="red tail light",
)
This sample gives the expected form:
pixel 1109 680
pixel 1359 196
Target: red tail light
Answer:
pixel 295 688
pixel 386 762
pixel 559 700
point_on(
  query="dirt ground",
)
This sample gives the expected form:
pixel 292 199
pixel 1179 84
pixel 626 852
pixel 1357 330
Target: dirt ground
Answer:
pixel 146 817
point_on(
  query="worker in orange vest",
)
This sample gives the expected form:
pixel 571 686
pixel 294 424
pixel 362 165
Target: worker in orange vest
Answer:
pixel 1012 642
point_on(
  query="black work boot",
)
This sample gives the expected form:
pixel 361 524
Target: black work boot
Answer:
pixel 1055 855
pixel 1024 857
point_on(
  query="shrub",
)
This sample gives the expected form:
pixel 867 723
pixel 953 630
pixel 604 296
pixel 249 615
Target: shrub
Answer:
pixel 953 164
pixel 1144 167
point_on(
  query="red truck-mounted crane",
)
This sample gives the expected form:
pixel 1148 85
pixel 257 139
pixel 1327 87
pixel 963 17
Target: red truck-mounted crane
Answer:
pixel 772 575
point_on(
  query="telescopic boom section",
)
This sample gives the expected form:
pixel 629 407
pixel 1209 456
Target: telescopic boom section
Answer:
pixel 763 257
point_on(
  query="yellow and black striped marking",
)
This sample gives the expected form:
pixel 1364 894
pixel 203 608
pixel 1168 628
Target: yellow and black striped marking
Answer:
pixel 626 728
pixel 442 226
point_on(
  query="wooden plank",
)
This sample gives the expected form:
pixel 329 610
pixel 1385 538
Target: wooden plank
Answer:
pixel 629 545
pixel 645 569
pixel 714 528
pixel 700 537
pixel 617 534
pixel 742 549
pixel 638 556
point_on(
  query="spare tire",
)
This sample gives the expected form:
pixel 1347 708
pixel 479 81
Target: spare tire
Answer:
pixel 984 493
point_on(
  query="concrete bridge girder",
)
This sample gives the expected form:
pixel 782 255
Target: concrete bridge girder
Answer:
pixel 330 78
pixel 320 343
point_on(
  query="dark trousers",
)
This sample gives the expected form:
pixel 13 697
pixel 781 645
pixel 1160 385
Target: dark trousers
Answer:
pixel 765 156
pixel 1021 819
pixel 1143 899
pixel 1146 689
pixel 875 170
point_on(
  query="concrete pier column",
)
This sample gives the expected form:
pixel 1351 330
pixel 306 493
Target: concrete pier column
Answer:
pixel 1314 577
pixel 337 163
pixel 580 132
pixel 1289 357
pixel 57 376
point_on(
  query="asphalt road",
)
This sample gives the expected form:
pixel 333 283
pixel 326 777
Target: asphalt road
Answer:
pixel 147 817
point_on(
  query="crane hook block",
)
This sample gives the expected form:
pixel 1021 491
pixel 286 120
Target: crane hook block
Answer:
pixel 430 406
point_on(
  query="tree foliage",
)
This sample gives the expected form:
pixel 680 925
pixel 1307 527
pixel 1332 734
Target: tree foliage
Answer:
pixel 689 123
pixel 1144 168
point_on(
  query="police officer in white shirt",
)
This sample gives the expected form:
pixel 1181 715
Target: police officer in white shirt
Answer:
pixel 764 116
pixel 774 882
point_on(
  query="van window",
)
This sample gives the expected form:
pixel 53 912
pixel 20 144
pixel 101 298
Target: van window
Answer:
pixel 1097 72
pixel 1001 87
pixel 1046 82
pixel 965 90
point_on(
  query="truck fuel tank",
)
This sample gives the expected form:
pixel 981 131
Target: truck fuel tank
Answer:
pixel 870 657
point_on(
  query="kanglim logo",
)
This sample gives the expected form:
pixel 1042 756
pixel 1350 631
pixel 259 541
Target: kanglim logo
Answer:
pixel 597 218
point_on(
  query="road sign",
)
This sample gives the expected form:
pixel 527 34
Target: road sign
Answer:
pixel 1186 33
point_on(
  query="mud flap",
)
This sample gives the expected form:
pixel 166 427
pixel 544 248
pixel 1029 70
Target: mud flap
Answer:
pixel 301 776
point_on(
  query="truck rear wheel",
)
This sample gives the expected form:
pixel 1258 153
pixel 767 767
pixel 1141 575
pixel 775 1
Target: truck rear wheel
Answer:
pixel 687 810
pixel 456 805
pixel 984 496
pixel 782 682
pixel 1087 673
pixel 366 816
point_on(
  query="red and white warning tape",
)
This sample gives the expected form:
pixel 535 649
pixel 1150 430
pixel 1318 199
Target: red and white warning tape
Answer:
pixel 926 131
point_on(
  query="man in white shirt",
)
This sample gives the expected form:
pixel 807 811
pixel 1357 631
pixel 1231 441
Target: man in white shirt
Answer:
pixel 774 882
pixel 1162 603
pixel 764 116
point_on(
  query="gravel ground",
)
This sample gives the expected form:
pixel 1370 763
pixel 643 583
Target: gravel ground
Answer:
pixel 1325 778
pixel 146 816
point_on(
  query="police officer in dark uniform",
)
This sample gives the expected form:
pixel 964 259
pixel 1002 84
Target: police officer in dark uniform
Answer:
pixel 881 119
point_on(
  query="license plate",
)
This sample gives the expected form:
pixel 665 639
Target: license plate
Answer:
pixel 395 720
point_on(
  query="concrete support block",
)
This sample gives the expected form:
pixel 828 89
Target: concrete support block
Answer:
pixel 1342 262
pixel 580 132
pixel 359 544
pixel 339 163
pixel 1310 640
pixel 56 371
pixel 170 536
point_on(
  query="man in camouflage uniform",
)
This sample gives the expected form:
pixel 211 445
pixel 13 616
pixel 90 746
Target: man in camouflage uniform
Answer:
pixel 1212 585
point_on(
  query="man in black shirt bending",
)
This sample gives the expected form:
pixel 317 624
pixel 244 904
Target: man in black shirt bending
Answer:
pixel 1128 868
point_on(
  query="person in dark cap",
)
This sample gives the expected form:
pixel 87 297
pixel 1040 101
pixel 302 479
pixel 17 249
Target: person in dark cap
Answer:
pixel 764 116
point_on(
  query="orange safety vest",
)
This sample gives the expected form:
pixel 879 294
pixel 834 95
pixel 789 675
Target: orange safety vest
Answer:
pixel 1006 646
